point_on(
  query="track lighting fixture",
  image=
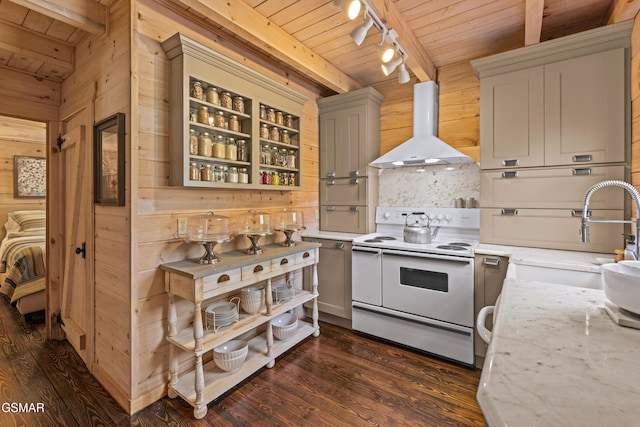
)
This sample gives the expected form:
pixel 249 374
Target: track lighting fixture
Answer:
pixel 386 49
pixel 403 74
pixel 360 32
pixel 349 7
pixel 390 67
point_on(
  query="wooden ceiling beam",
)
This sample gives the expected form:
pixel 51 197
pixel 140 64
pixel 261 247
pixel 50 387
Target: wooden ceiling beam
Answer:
pixel 534 10
pixel 621 10
pixel 240 18
pixel 418 61
pixel 29 44
pixel 88 15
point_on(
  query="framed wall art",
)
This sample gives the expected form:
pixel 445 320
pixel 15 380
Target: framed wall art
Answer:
pixel 108 161
pixel 29 178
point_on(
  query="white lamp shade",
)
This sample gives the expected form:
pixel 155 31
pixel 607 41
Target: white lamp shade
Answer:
pixel 386 51
pixel 403 74
pixel 390 67
pixel 351 8
pixel 358 35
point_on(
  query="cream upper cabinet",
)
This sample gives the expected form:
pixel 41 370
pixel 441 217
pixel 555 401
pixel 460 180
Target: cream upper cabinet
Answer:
pixel 512 119
pixel 585 109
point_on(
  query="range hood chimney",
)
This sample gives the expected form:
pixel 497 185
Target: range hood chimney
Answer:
pixel 424 148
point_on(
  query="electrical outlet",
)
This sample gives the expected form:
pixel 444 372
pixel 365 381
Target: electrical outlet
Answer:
pixel 182 225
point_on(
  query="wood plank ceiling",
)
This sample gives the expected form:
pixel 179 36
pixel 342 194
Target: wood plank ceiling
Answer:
pixel 311 37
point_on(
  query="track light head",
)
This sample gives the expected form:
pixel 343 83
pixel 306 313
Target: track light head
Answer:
pixel 387 49
pixel 403 74
pixel 358 35
pixel 351 8
pixel 391 66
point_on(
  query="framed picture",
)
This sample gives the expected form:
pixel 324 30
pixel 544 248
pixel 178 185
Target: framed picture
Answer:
pixel 108 161
pixel 29 177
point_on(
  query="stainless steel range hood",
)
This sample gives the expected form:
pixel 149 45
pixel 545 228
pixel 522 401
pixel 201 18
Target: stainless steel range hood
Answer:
pixel 424 148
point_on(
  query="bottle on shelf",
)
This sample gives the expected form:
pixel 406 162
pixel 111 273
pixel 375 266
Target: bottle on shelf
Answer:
pixel 284 137
pixel 263 112
pixel 218 120
pixel 234 123
pixel 194 172
pixel 231 150
pixel 274 134
pixel 271 115
pixel 206 173
pixel 243 176
pixel 212 95
pixel 193 142
pixel 243 151
pixel 203 115
pixel 233 174
pixel 264 131
pixel 205 145
pixel 219 149
pixel 238 104
pixel 288 121
pixel 279 118
pixel 196 90
pixel 226 101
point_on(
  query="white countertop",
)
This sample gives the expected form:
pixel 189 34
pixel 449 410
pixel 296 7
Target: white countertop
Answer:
pixel 556 358
pixel 332 235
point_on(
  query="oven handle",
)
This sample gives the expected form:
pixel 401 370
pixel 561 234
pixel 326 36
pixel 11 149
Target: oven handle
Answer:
pixel 364 249
pixel 427 256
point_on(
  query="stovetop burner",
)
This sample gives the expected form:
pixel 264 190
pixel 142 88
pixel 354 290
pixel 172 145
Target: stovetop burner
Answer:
pixel 459 244
pixel 373 240
pixel 452 247
pixel 386 238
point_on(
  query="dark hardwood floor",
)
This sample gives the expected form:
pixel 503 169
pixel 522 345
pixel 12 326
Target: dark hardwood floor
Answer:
pixel 337 379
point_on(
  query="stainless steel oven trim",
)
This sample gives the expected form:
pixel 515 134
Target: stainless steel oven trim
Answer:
pixel 460 259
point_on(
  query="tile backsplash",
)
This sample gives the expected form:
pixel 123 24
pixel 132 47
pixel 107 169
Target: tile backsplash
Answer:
pixel 432 186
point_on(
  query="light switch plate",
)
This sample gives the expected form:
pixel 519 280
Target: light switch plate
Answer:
pixel 182 225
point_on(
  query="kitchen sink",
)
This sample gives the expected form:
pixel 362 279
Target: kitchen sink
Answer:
pixel 583 279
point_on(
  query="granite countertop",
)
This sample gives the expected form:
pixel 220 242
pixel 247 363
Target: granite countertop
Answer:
pixel 556 358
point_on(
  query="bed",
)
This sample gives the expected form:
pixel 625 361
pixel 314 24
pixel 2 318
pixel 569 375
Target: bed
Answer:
pixel 22 261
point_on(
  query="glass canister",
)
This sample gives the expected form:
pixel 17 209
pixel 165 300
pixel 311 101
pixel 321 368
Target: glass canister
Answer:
pixel 193 142
pixel 218 120
pixel 233 175
pixel 288 121
pixel 193 115
pixel 266 177
pixel 279 118
pixel 206 173
pixel 264 131
pixel 243 176
pixel 238 104
pixel 205 145
pixel 234 124
pixel 282 158
pixel 219 150
pixel 275 178
pixel 218 174
pixel 203 115
pixel 265 155
pixel 284 137
pixel 293 179
pixel 263 112
pixel 194 172
pixel 212 95
pixel 271 115
pixel 255 222
pixel 196 90
pixel 231 150
pixel 274 134
pixel 243 152
pixel 226 101
pixel 291 159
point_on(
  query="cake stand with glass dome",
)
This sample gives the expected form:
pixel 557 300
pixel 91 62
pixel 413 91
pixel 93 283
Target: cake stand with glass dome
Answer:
pixel 208 230
pixel 288 222
pixel 253 225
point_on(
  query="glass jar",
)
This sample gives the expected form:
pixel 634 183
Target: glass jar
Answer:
pixel 238 104
pixel 226 101
pixel 206 173
pixel 243 153
pixel 203 115
pixel 219 150
pixel 265 155
pixel 212 95
pixel 193 115
pixel 194 172
pixel 291 159
pixel 274 134
pixel 233 175
pixel 275 178
pixel 193 142
pixel 282 158
pixel 205 145
pixel 285 138
pixel 288 121
pixel 234 124
pixel 231 150
pixel 266 177
pixel 271 115
pixel 293 179
pixel 243 176
pixel 218 120
pixel 264 131
pixel 263 112
pixel 279 118
pixel 196 90
pixel 274 156
pixel 217 174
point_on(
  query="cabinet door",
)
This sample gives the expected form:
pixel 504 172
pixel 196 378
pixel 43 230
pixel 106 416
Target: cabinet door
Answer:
pixel 354 142
pixel 343 191
pixel 585 109
pixel 344 219
pixel 330 144
pixel 489 275
pixel 512 119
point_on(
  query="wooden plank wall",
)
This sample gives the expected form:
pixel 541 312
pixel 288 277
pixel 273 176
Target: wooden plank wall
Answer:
pixel 18 137
pixel 101 86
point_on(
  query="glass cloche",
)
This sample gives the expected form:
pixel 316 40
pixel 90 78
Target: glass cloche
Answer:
pixel 288 221
pixel 254 224
pixel 209 229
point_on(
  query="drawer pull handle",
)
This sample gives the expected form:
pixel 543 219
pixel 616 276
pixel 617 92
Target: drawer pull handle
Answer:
pixel 578 212
pixel 306 255
pixel 331 174
pixel 509 212
pixel 354 181
pixel 582 171
pixel 513 162
pixel 338 245
pixel 284 261
pixel 492 262
pixel 354 173
pixel 224 278
pixel 510 174
pixel 582 158
pixel 331 208
pixel 258 269
pixel 354 208
pixel 331 182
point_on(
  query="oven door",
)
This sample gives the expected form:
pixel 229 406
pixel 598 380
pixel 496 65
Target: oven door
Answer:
pixel 435 286
pixel 366 274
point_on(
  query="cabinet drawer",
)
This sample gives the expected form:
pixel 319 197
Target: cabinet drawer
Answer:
pixel 222 279
pixel 554 188
pixel 550 228
pixel 306 256
pixel 346 219
pixel 255 271
pixel 282 263
pixel 343 191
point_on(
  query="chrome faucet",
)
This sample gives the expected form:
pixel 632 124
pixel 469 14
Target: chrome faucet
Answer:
pixel 584 227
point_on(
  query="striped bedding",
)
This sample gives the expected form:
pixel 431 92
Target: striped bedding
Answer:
pixel 22 258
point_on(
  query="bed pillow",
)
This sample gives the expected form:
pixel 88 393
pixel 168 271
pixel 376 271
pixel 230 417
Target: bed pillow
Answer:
pixel 11 226
pixel 29 220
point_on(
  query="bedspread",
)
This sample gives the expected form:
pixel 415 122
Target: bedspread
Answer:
pixel 24 262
